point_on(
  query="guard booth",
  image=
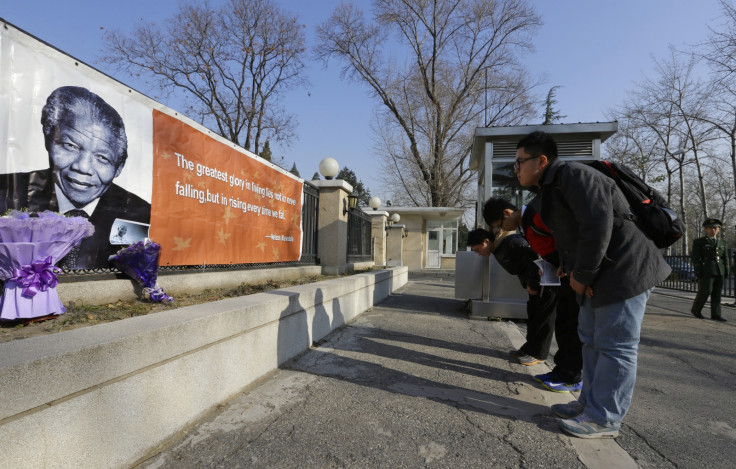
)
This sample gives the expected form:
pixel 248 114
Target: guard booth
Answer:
pixel 491 290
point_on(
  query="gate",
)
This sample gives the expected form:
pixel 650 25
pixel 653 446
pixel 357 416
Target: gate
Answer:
pixel 310 211
pixel 359 236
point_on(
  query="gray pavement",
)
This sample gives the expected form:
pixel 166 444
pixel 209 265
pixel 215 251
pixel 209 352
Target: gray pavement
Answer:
pixel 415 383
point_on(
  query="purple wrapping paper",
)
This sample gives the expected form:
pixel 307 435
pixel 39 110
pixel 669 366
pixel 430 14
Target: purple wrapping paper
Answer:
pixel 25 241
pixel 140 262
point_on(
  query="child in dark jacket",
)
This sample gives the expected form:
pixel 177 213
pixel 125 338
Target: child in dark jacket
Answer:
pixel 516 257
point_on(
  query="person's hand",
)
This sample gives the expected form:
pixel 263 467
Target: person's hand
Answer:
pixel 579 288
pixel 530 291
pixel 560 272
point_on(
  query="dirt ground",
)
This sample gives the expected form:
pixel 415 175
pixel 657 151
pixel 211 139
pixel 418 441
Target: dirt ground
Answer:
pixel 85 315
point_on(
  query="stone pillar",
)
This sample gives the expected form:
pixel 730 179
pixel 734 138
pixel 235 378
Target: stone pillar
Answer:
pixel 394 244
pixel 332 245
pixel 378 235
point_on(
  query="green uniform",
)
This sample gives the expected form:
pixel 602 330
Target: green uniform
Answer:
pixel 710 261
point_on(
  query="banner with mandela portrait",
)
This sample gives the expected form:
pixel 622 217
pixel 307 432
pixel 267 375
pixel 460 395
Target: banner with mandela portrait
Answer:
pixel 77 142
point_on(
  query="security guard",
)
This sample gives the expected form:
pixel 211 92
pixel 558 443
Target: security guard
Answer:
pixel 710 260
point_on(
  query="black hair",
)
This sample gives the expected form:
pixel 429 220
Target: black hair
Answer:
pixel 539 143
pixel 74 99
pixel 478 235
pixel 494 207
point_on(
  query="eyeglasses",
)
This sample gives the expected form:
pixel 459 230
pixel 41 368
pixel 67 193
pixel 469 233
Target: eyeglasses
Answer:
pixel 517 163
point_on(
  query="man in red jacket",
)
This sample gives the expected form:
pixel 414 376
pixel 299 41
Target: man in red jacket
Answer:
pixel 563 308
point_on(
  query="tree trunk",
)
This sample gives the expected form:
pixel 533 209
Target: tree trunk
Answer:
pixel 683 212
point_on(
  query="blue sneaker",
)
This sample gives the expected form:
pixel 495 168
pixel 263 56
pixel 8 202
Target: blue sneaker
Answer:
pixel 544 376
pixel 560 386
pixel 583 426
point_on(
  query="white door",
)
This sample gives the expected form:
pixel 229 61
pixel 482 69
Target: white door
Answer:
pixel 434 259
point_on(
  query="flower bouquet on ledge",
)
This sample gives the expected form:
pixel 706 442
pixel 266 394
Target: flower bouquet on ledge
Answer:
pixel 140 262
pixel 30 243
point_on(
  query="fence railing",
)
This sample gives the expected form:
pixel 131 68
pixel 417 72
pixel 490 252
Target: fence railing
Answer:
pixel 359 236
pixel 683 274
pixel 310 211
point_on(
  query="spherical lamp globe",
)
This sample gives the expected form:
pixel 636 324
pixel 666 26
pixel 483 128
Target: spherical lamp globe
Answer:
pixel 329 168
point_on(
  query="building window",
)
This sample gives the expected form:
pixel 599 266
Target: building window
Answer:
pixel 442 236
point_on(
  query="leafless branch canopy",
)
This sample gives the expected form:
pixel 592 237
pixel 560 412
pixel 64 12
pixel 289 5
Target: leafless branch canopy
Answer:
pixel 456 62
pixel 231 65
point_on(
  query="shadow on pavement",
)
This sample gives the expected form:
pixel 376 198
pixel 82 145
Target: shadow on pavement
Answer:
pixel 379 371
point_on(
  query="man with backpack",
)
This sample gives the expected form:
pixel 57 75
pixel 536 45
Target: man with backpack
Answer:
pixel 613 267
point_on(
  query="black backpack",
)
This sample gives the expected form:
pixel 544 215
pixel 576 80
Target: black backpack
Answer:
pixel 650 210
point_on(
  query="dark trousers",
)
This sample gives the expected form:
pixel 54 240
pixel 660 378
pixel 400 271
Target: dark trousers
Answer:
pixel 709 286
pixel 569 357
pixel 540 310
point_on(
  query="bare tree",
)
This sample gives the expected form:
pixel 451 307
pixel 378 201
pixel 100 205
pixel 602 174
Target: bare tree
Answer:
pixel 719 53
pixel 679 89
pixel 720 189
pixel 431 104
pixel 231 64
pixel 671 104
pixel 636 146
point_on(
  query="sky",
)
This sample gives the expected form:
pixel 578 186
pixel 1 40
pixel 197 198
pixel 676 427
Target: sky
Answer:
pixel 595 51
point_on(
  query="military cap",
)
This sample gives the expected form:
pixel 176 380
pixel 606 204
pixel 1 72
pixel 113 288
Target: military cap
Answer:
pixel 712 222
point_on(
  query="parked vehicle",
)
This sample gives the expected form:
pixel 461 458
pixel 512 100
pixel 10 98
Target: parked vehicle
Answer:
pixel 682 269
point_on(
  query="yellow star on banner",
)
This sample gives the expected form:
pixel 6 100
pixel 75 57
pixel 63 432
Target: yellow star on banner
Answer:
pixel 261 246
pixel 202 184
pixel 188 176
pixel 181 243
pixel 295 219
pixel 166 156
pixel 223 236
pixel 228 215
pixel 276 255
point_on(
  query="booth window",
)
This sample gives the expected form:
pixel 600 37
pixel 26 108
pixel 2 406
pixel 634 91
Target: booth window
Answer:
pixel 506 186
pixel 446 233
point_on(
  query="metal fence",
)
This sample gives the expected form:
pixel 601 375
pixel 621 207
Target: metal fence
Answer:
pixel 310 213
pixel 310 210
pixel 683 273
pixel 359 236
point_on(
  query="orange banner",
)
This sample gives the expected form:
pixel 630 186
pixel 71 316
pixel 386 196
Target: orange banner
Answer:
pixel 212 204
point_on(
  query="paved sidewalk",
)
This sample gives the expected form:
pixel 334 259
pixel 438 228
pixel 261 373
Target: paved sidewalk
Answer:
pixel 411 383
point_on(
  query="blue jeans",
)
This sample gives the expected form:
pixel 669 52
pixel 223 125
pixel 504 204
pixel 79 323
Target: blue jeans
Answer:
pixel 610 337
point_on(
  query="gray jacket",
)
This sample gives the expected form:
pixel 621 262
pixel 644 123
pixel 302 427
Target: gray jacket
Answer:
pixel 586 212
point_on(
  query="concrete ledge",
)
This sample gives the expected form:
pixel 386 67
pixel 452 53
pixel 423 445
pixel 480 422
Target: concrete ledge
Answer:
pixel 99 292
pixel 363 265
pixel 432 273
pixel 106 395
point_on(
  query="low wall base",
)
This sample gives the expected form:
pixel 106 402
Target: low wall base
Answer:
pixel 108 395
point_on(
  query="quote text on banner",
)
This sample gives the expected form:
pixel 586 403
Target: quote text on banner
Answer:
pixel 215 205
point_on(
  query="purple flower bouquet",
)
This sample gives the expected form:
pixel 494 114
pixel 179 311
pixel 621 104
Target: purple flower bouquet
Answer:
pixel 29 246
pixel 140 262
